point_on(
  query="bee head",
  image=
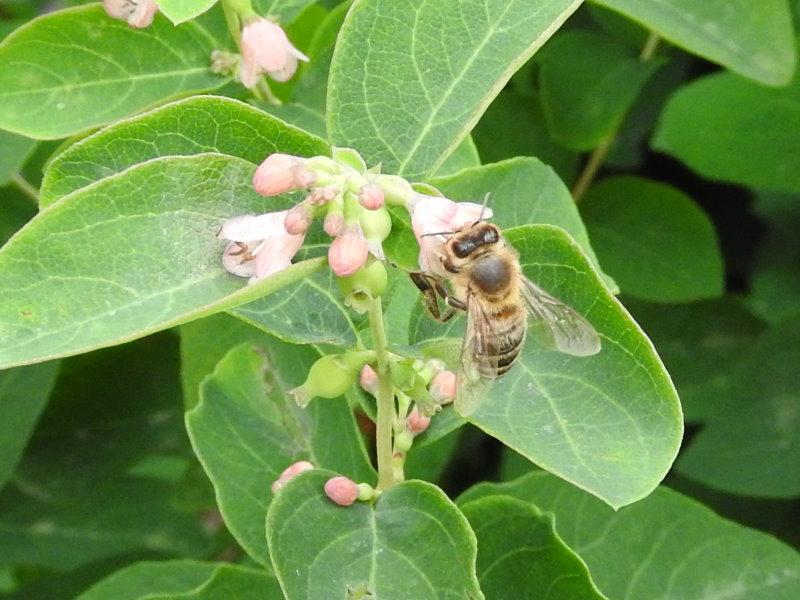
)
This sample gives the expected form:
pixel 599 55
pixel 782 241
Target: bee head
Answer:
pixel 472 238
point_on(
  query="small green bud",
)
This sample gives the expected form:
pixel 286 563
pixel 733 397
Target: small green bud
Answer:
pixel 403 441
pixel 349 158
pixel 366 492
pixel 360 288
pixel 396 190
pixel 331 376
pixel 376 224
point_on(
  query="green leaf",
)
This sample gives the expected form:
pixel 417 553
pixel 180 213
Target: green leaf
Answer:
pixel 309 312
pixel 108 412
pixel 708 117
pixel 16 149
pixel 23 395
pixel 121 516
pixel 174 579
pixel 312 84
pixel 520 555
pixel 283 10
pixel 298 115
pixel 514 125
pixel 192 126
pixel 610 423
pixel 749 446
pixel 105 69
pixel 429 461
pixel 132 254
pixel 203 344
pixel 752 39
pixel 666 546
pixel 653 240
pixel 16 209
pixel 463 157
pixel 407 84
pixel 588 82
pixel 370 549
pixel 523 191
pixel 701 344
pixel 246 430
pixel 179 11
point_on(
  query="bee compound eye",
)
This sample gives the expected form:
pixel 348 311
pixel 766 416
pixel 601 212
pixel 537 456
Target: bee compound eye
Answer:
pixel 462 249
pixel 490 236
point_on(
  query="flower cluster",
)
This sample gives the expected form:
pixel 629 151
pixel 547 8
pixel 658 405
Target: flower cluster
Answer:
pixel 349 200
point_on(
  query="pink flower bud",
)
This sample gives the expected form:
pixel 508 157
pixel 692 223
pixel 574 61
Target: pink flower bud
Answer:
pixel 416 422
pixel 348 252
pixel 266 49
pixel 305 178
pixel 370 196
pixel 341 490
pixel 138 13
pixel 298 219
pixel 443 387
pixel 323 195
pixel 290 473
pixel 334 224
pixel 368 379
pixel 277 174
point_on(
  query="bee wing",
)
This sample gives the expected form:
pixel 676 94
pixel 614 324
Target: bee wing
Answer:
pixel 557 325
pixel 471 386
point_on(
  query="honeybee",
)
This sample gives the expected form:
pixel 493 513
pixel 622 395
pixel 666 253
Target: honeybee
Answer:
pixel 502 306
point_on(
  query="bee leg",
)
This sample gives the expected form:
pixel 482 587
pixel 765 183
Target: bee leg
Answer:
pixel 426 286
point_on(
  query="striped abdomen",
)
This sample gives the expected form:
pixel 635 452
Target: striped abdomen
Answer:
pixel 503 340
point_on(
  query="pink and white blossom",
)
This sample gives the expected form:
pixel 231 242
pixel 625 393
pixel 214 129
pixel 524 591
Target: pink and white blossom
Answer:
pixel 138 13
pixel 266 49
pixel 438 215
pixel 259 245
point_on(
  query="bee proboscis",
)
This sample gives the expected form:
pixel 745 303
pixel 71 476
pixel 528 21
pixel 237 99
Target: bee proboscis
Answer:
pixel 502 307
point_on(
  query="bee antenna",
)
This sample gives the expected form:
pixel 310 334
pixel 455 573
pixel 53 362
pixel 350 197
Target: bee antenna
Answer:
pixel 437 233
pixel 483 207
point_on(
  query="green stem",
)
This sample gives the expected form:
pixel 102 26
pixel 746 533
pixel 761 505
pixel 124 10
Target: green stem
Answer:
pixel 598 155
pixel 386 414
pixel 265 93
pixel 26 188
pixel 232 19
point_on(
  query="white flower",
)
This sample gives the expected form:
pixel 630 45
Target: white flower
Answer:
pixel 259 245
pixel 266 49
pixel 436 215
pixel 138 13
